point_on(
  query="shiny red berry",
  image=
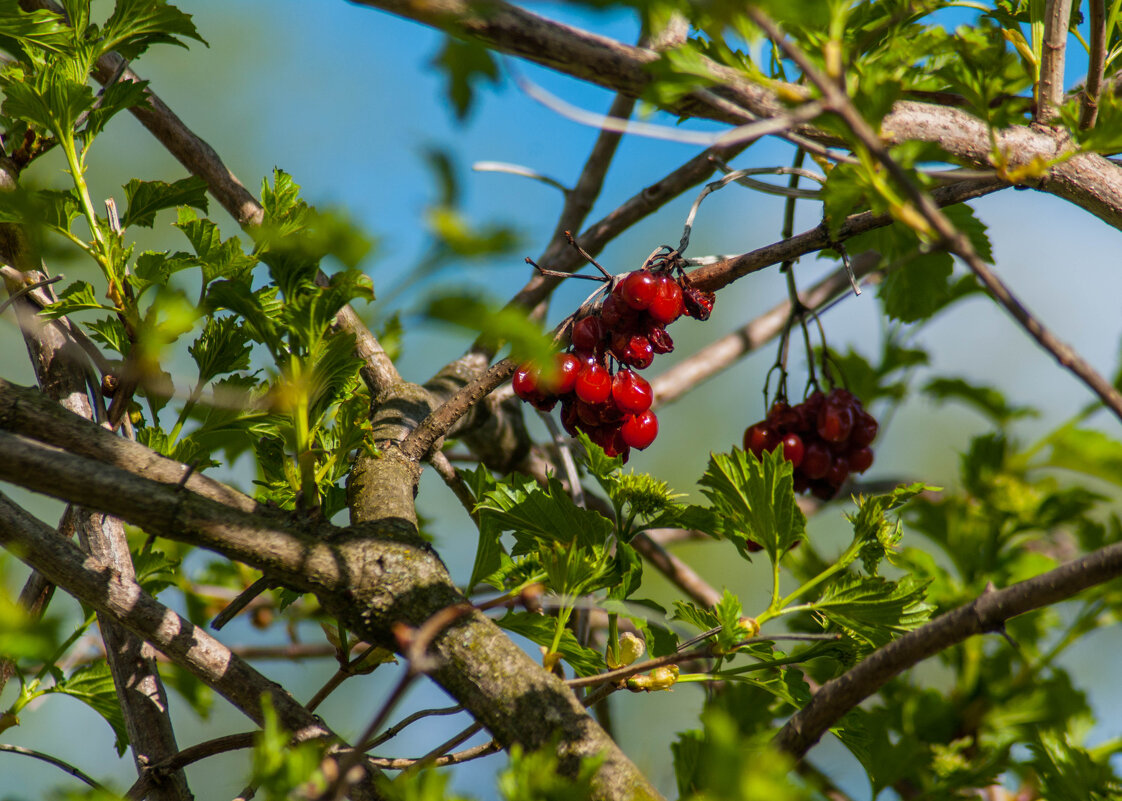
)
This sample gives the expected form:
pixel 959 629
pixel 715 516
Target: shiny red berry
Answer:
pixel 525 382
pixel 864 429
pixel 640 430
pixel 638 289
pixel 860 460
pixel 835 421
pixel 667 305
pixel 793 450
pixel 565 379
pixel 760 437
pixel 631 393
pixel 838 473
pixel 594 384
pixel 586 333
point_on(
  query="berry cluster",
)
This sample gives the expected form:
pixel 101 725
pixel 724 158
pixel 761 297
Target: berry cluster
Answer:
pixel 600 392
pixel 826 437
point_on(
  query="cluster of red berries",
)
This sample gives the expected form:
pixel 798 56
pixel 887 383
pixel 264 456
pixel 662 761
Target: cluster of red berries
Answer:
pixel 826 437
pixel 595 381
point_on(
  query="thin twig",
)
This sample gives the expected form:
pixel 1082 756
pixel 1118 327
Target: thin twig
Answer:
pixel 1050 94
pixel 467 755
pixel 58 763
pixel 518 169
pixel 19 293
pixel 398 727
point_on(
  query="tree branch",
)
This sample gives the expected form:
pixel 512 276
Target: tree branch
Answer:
pixel 985 614
pixel 1089 102
pixel 1050 92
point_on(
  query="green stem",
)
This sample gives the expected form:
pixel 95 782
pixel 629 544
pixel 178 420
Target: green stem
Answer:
pixel 613 639
pixel 562 621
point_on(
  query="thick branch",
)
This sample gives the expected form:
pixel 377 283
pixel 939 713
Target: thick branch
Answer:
pixel 987 613
pixel 1051 90
pixel 1088 180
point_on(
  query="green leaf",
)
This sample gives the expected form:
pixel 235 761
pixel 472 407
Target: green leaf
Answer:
pixel 154 269
pixel 876 535
pixel 455 233
pixel 987 400
pixel 917 288
pixel 197 694
pixel 1085 451
pixel 464 65
pixel 145 198
pixel 92 684
pixel 495 323
pixel 754 500
pixel 540 629
pixel 36 29
pixel 488 554
pixel 546 514
pixel 218 258
pixel 53 102
pixel 1068 773
pixel 23 636
pixel 155 571
pixel 259 309
pixel 967 222
pixel 874 609
pixel 136 25
pixel 79 296
pixel 222 347
pixel 120 96
pixel 539 776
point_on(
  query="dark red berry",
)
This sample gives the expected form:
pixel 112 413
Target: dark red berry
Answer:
pixel 835 421
pixel 816 460
pixel 667 305
pixel 631 393
pixel 697 302
pixel 638 289
pixel 569 417
pixel 616 315
pixel 640 430
pixel 860 459
pixel 838 473
pixel 759 438
pixel 657 336
pixel 586 333
pixel 864 429
pixel 594 384
pixel 793 450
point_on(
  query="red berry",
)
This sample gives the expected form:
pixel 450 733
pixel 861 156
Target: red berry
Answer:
pixel 569 417
pixel 759 438
pixel 657 336
pixel 640 430
pixel 860 460
pixel 568 368
pixel 586 333
pixel 835 422
pixel 615 314
pixel 838 473
pixel 697 302
pixel 525 382
pixel 631 393
pixel 816 460
pixel 864 429
pixel 594 384
pixel 793 449
pixel 638 289
pixel 634 350
pixel 667 305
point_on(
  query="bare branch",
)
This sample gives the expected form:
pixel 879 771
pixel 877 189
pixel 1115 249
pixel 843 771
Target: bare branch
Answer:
pixel 1050 93
pixel 1089 102
pixel 985 614
pixel 467 755
pixel 58 763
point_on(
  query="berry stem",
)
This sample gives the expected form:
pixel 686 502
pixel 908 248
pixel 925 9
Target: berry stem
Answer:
pixel 587 256
pixel 558 274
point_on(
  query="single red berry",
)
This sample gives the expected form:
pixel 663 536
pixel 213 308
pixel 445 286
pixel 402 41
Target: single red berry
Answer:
pixel 568 368
pixel 631 393
pixel 638 289
pixel 634 350
pixel 697 302
pixel 839 472
pixel 667 305
pixel 760 437
pixel 586 333
pixel 594 384
pixel 816 460
pixel 525 382
pixel 544 403
pixel 860 459
pixel 823 490
pixel 835 422
pixel 864 429
pixel 569 419
pixel 640 430
pixel 616 315
pixel 793 450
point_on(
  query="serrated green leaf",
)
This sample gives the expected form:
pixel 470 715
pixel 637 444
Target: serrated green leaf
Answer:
pixel 79 296
pixel 703 619
pixel 218 258
pixel 465 64
pixel 155 571
pixel 37 29
pixel 873 608
pixel 221 347
pixel 917 288
pixel 93 685
pixel 488 554
pixel 259 309
pixel 875 536
pixel 136 25
pixel 545 514
pixel 967 222
pixel 540 629
pixel 754 500
pixel 145 198
pixel 53 102
pixel 118 97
